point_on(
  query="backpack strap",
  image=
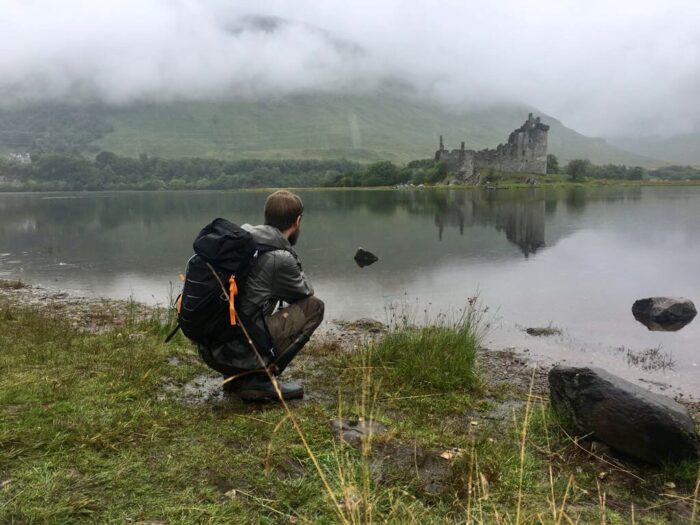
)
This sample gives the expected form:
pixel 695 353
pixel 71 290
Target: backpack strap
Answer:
pixel 172 334
pixel 230 297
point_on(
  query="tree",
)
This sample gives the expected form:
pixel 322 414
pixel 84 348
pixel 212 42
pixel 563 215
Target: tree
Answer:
pixel 382 173
pixel 578 169
pixel 552 164
pixel 635 173
pixel 105 158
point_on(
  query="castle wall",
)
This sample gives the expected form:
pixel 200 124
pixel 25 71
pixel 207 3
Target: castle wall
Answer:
pixel 459 161
pixel 525 151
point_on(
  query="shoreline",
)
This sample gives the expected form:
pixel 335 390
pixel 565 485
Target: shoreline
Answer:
pixel 502 185
pixel 98 315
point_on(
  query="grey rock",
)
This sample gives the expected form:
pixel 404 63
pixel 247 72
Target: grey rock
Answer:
pixel 355 432
pixel 664 313
pixel 646 426
pixel 364 258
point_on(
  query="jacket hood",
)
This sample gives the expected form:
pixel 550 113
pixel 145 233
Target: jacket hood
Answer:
pixel 269 236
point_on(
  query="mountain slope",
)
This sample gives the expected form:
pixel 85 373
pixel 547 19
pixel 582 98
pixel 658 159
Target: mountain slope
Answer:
pixel 683 149
pixel 321 126
pixel 363 128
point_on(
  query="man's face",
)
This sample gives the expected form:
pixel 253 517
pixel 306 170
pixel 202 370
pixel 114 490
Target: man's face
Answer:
pixel 294 237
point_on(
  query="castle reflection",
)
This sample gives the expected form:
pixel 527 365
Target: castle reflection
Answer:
pixel 520 217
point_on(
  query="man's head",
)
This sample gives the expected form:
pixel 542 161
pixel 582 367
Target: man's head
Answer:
pixel 283 210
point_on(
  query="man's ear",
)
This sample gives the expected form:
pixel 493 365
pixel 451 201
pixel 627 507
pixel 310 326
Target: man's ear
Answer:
pixel 298 221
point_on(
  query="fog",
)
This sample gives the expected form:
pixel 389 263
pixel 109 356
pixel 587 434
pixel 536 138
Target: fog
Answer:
pixel 604 68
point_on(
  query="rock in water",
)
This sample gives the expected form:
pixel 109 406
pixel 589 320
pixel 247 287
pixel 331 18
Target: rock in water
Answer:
pixel 630 419
pixel 664 313
pixel 364 258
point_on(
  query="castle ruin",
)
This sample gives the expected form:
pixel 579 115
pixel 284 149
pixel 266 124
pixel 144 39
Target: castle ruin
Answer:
pixel 525 151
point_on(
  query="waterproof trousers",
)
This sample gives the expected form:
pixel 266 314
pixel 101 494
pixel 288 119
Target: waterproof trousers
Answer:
pixel 290 329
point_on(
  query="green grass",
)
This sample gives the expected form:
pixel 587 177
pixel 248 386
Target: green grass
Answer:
pixel 94 429
pixel 434 358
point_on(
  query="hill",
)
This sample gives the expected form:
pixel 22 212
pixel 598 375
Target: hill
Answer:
pixel 321 126
pixel 682 149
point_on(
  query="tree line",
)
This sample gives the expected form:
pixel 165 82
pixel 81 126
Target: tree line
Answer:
pixel 582 169
pixel 108 171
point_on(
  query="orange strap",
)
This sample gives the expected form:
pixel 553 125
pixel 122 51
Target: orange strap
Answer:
pixel 179 298
pixel 232 292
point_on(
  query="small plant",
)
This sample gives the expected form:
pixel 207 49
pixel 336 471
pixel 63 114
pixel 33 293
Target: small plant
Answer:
pixel 543 331
pixel 438 356
pixel 8 284
pixel 649 359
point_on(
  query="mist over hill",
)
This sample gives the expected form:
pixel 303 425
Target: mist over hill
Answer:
pixel 365 128
pixel 680 149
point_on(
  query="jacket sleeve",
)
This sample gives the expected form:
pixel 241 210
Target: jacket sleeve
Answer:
pixel 289 282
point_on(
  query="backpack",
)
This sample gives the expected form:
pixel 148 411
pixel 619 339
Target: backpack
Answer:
pixel 224 255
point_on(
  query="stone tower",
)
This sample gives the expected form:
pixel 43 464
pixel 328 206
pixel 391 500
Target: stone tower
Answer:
pixel 529 145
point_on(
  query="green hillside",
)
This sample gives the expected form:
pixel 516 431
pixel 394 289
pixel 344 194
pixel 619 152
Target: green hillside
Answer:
pixel 321 126
pixel 332 126
pixel 683 149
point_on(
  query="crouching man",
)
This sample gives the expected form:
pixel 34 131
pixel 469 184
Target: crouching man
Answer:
pixel 278 333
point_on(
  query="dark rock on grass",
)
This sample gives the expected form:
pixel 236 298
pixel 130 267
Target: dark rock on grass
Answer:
pixel 392 460
pixel 664 313
pixel 365 324
pixel 364 258
pixel 646 426
pixel 355 432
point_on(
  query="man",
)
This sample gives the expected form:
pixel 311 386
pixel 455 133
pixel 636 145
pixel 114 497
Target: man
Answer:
pixel 278 336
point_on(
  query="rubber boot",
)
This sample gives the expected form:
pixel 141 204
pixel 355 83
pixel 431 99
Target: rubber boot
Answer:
pixel 258 388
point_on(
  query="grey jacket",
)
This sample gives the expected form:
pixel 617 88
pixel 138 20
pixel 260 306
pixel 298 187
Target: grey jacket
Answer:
pixel 276 276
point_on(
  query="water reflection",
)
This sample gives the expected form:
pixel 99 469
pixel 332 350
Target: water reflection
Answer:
pixel 159 226
pixel 659 327
pixel 519 216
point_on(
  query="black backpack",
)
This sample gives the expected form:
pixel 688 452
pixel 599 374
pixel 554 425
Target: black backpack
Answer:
pixel 208 312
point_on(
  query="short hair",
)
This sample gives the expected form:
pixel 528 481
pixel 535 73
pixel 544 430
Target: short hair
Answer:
pixel 282 209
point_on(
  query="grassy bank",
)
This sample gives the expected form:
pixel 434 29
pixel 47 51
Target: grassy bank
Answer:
pixel 108 428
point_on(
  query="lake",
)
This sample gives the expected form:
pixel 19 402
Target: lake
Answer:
pixel 573 257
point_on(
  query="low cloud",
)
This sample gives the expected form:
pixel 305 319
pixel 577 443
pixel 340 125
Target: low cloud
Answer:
pixel 622 68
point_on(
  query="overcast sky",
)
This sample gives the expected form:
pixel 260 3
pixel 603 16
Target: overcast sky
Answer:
pixel 603 67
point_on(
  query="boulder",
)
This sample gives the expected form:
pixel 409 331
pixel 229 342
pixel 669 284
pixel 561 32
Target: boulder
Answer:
pixel 364 258
pixel 647 426
pixel 664 313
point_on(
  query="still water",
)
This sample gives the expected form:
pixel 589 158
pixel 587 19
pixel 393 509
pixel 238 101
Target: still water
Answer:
pixel 576 258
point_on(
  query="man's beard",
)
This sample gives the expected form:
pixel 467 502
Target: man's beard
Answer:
pixel 293 238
